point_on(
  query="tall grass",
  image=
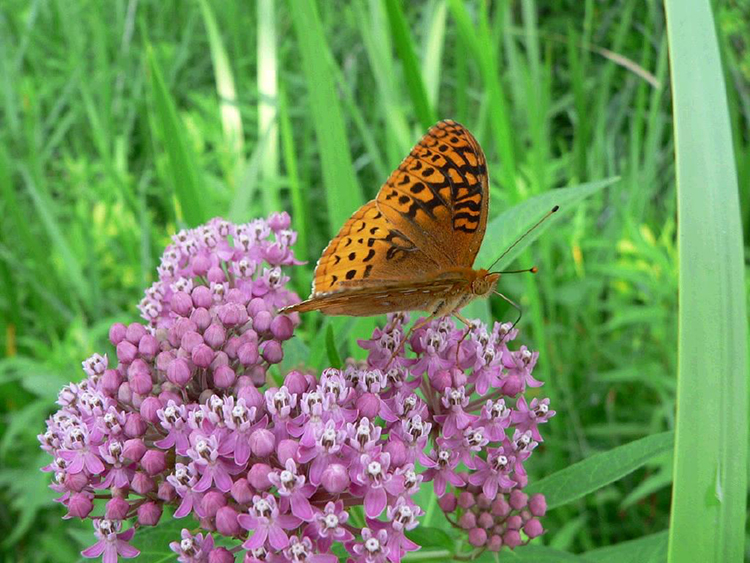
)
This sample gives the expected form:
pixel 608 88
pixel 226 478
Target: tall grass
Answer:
pixel 123 121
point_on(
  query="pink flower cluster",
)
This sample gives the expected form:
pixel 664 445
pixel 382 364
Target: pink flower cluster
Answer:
pixel 191 417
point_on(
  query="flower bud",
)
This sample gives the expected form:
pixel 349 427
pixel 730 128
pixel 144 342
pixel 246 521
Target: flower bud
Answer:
pixel 232 346
pixel 80 505
pixel 216 275
pixel 258 375
pixel 466 500
pixel 252 396
pixel 181 303
pixel 477 537
pixel 512 539
pixel 201 296
pixel 142 483
pixel 500 506
pixel 286 450
pixel 139 377
pixel 282 328
pixel 232 314
pixel 164 359
pixel 202 355
pixel 110 382
pixel 368 405
pixel 76 481
pixel 135 426
pixel 226 521
pixel 117 333
pixel 178 372
pixel 397 451
pixel 448 503
pixel 279 221
pixel 212 501
pixel 148 347
pixel 124 394
pixel 295 382
pixel 258 476
pixel 222 555
pixel 335 478
pixel 224 377
pixel 495 543
pixel 116 509
pixel 126 352
pixel 133 449
pixel 255 306
pixel 200 263
pixel 468 520
pixel 518 499
pixel 538 505
pixel 533 528
pixel 215 336
pixel 512 386
pixel 154 462
pixel 262 442
pixel 485 520
pixel 483 501
pixel 190 340
pixel 262 322
pixel 441 380
pixel 169 395
pixel 201 317
pixel 149 407
pixel 241 491
pixel 135 332
pixel 272 352
pixel 248 354
pixel 166 492
pixel 149 514
pixel 514 522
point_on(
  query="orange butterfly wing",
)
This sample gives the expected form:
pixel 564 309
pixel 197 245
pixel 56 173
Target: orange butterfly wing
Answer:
pixel 402 250
pixel 439 195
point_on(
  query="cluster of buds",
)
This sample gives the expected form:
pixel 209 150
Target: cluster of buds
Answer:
pixel 191 418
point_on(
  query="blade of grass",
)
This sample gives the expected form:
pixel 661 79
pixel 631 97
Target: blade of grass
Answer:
pixel 231 120
pixel 343 193
pixel 600 469
pixel 268 105
pixel 184 172
pixel 412 74
pixel 707 521
pixel 432 55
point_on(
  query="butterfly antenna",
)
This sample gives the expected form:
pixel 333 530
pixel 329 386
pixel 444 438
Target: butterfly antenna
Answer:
pixel 523 236
pixel 516 306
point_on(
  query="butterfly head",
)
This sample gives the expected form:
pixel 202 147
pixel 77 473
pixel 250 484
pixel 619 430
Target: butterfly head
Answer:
pixel 484 283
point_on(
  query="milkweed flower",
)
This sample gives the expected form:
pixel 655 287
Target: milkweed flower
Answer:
pixel 194 410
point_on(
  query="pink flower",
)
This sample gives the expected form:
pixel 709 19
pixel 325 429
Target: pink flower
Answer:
pixel 112 543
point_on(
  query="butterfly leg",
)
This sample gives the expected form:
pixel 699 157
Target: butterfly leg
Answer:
pixel 468 324
pixel 415 326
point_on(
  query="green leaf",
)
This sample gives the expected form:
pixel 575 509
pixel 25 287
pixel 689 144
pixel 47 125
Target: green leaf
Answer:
pixel 504 230
pixel 600 470
pixel 649 549
pixel 710 485
pixel 154 542
pixel 333 354
pixel 432 538
pixel 343 194
pixel 184 172
pixel 530 554
pixel 412 73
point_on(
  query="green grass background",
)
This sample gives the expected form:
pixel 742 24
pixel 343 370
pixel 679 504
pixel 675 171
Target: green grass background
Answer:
pixel 122 121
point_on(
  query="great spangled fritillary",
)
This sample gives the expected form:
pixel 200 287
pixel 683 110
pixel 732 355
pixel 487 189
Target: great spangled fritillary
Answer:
pixel 412 248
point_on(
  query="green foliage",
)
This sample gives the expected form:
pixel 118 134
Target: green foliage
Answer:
pixel 123 121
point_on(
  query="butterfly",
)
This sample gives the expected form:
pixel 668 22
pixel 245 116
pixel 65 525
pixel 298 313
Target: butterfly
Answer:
pixel 412 248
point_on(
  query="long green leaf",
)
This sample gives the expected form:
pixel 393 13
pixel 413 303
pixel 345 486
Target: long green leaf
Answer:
pixel 600 470
pixel 185 175
pixel 412 73
pixel 343 193
pixel 505 229
pixel 648 549
pixel 231 120
pixel 268 102
pixel 710 469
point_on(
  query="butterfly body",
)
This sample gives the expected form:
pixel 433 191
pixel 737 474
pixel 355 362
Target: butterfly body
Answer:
pixel 412 248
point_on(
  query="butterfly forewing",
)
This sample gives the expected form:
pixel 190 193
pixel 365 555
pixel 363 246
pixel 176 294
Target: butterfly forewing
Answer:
pixel 397 252
pixel 439 194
